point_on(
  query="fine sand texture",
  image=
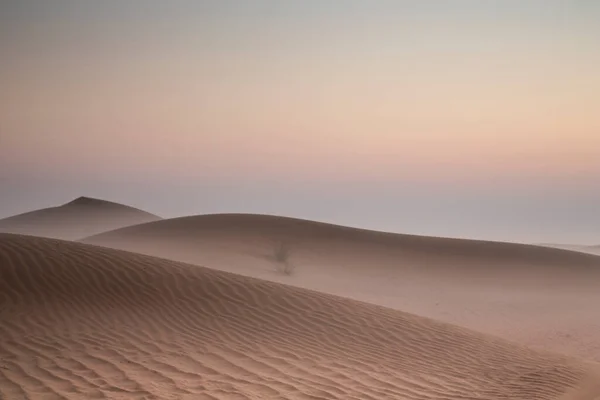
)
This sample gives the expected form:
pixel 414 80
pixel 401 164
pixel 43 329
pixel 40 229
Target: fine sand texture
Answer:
pixel 83 322
pixel 538 296
pixel 79 218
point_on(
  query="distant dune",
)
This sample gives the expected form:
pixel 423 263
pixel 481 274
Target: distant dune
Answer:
pixel 580 248
pixel 78 321
pixel 536 295
pixel 593 249
pixel 79 218
pixel 590 249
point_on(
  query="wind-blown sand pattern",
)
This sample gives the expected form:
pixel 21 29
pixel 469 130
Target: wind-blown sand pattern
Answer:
pixel 535 295
pixel 79 218
pixel 79 321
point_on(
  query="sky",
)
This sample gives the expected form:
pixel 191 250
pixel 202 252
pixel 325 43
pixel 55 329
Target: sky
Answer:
pixel 462 118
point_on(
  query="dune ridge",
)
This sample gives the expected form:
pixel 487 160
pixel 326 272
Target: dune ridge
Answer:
pixel 187 228
pixel 79 321
pixel 592 249
pixel 580 248
pixel 76 219
pixel 534 295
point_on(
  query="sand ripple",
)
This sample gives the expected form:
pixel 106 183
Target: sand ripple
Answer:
pixel 83 322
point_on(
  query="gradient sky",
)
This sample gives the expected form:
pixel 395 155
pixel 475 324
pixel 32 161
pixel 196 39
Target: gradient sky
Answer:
pixel 466 118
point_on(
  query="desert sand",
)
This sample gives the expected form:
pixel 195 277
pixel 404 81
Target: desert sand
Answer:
pixel 583 249
pixel 79 321
pixel 81 217
pixel 538 296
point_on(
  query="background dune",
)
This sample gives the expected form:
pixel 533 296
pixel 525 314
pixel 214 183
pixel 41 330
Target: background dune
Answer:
pixel 81 217
pixel 78 321
pixel 593 249
pixel 535 295
pixel 580 248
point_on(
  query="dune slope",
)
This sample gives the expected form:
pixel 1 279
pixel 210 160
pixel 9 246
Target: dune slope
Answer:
pixel 189 231
pixel 79 321
pixel 580 248
pixel 79 218
pixel 535 295
pixel 593 249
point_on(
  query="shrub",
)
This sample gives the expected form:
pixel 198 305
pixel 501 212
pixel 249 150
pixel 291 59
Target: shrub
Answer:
pixel 281 255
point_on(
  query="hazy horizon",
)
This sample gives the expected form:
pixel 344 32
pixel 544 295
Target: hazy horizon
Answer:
pixel 461 118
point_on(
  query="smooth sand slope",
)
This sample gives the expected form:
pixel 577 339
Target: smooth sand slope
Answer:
pixel 79 218
pixel 78 321
pixel 531 294
pixel 580 248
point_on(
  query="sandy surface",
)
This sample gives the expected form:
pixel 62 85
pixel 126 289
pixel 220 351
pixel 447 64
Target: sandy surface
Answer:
pixel 538 296
pixel 582 249
pixel 78 321
pixel 81 217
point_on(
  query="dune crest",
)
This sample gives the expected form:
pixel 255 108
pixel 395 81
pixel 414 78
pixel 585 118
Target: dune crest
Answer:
pixel 90 201
pixel 277 227
pixel 76 219
pixel 535 295
pixel 579 248
pixel 79 321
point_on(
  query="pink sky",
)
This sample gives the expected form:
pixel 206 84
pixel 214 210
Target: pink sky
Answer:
pixel 340 92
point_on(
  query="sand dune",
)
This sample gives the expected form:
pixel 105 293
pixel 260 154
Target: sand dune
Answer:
pixel 79 218
pixel 589 249
pixel 78 321
pixel 535 295
pixel 573 247
pixel 593 249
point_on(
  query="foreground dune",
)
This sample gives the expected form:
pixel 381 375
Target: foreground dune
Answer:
pixel 78 321
pixel 79 218
pixel 535 295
